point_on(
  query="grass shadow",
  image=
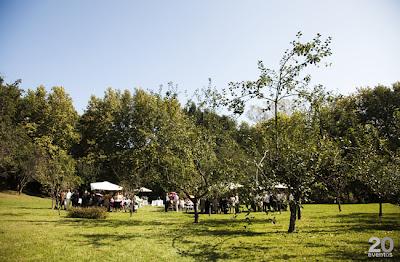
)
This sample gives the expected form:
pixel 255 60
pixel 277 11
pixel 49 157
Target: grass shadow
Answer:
pixel 358 222
pixel 33 208
pixel 99 240
pixel 14 214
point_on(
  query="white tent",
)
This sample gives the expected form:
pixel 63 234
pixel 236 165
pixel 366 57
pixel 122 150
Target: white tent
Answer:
pixel 106 186
pixel 144 190
pixel 280 186
pixel 233 186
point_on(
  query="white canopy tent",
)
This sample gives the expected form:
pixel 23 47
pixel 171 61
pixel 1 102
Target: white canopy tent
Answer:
pixel 106 186
pixel 144 190
pixel 280 186
pixel 233 186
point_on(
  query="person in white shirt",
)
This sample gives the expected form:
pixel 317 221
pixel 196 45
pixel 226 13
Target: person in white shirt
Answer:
pixel 176 202
pixel 68 199
pixel 237 204
pixel 266 202
pixel 280 198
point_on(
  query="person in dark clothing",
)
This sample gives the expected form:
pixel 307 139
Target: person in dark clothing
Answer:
pixel 85 199
pixel 166 202
pixel 273 202
pixel 224 205
pixel 207 206
pixel 75 198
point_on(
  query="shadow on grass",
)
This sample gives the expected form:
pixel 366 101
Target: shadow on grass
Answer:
pixel 211 240
pixel 226 247
pixel 222 246
pixel 200 252
pixel 14 214
pixel 83 222
pixel 358 222
pixel 34 208
pixel 99 240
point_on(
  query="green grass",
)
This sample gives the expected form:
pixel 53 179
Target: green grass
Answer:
pixel 30 231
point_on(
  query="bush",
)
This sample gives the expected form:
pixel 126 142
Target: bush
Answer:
pixel 87 212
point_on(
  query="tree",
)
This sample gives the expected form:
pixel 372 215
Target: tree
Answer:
pixel 378 106
pixel 101 140
pixel 188 161
pixel 10 102
pixel 298 157
pixel 272 87
pixel 19 156
pixel 56 170
pixel 18 153
pixel 333 169
pixel 376 166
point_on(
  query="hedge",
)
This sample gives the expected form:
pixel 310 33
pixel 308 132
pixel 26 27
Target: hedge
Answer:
pixel 87 212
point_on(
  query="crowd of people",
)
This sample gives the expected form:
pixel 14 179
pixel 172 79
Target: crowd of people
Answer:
pixel 270 202
pixel 111 201
pixel 205 205
pixel 266 202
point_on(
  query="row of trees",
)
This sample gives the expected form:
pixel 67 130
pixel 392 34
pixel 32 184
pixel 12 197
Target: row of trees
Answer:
pixel 323 147
pixel 37 132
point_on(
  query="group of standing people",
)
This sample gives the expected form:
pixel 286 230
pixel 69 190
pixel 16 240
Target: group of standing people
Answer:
pixel 205 205
pixel 120 202
pixel 221 205
pixel 172 201
pixel 271 202
pixel 67 199
pixel 267 202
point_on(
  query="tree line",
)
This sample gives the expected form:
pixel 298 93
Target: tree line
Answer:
pixel 325 147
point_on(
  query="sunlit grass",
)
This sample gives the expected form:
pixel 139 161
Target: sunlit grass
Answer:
pixel 30 231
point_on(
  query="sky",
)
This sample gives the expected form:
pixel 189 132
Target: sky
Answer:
pixel 88 46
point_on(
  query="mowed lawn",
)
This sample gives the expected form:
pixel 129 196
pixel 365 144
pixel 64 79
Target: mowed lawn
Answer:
pixel 30 231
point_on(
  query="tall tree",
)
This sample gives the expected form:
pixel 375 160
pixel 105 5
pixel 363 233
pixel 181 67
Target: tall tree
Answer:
pixel 377 166
pixel 56 170
pixel 51 115
pixel 274 86
pixel 378 106
pixel 18 153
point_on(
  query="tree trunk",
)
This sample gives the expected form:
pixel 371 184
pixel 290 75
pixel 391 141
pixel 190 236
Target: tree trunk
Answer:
pixel 53 195
pixel 380 210
pixel 196 212
pixel 293 209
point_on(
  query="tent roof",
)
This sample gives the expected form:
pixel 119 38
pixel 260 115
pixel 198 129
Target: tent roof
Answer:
pixel 105 185
pixel 232 186
pixel 144 190
pixel 280 186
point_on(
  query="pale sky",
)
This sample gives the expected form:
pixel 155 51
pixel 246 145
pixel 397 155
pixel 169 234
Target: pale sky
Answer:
pixel 87 46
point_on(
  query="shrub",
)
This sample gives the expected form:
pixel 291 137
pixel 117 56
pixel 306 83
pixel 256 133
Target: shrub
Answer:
pixel 87 212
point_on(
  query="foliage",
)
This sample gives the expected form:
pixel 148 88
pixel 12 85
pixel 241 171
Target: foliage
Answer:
pixel 19 156
pixel 57 169
pixel 273 87
pixel 376 166
pixel 50 115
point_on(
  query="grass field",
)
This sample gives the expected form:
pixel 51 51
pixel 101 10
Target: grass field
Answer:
pixel 30 231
